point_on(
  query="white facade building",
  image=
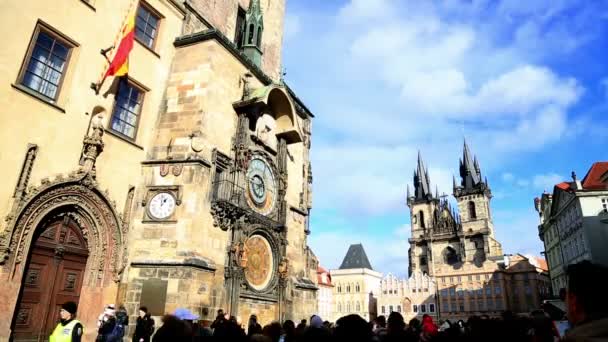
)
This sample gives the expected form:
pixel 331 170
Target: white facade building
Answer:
pixel 355 286
pixel 574 223
pixel 325 293
pixel 412 297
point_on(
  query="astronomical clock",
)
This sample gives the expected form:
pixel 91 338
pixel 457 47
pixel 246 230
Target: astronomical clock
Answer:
pixel 249 199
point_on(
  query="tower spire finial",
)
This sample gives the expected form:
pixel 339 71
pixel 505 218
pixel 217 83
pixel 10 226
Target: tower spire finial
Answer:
pixel 422 184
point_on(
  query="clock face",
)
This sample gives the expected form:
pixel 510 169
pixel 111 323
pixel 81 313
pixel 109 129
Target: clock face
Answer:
pixel 162 205
pixel 259 266
pixel 260 186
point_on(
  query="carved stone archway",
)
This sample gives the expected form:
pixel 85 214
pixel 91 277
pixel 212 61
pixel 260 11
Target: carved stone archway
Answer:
pixel 78 197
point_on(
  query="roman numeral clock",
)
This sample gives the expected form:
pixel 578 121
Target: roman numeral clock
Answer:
pixel 261 186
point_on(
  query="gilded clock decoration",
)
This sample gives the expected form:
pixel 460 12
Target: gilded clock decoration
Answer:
pixel 259 261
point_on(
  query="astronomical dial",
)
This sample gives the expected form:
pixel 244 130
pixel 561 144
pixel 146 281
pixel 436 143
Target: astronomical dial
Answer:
pixel 162 205
pixel 261 187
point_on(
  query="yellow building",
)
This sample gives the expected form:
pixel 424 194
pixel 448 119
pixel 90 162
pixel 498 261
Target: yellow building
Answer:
pixel 172 186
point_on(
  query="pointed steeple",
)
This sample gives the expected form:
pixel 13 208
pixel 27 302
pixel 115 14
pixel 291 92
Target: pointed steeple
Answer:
pixel 469 169
pixel 422 184
pixel 252 32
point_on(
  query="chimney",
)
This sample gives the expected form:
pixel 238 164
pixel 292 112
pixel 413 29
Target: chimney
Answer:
pixel 576 184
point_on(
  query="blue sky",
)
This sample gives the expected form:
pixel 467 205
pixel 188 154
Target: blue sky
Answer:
pixel 525 81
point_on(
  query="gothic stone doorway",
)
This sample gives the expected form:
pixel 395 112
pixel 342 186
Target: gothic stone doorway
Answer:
pixel 53 276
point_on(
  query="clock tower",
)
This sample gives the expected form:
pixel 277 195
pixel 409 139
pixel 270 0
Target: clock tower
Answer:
pixel 223 205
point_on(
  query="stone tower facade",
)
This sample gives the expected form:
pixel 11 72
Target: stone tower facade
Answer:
pixel 225 192
pixel 456 247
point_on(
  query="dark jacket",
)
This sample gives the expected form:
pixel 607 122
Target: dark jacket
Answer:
pixel 144 328
pixel 104 334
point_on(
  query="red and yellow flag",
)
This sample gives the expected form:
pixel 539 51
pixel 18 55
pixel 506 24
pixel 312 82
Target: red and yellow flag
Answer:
pixel 119 66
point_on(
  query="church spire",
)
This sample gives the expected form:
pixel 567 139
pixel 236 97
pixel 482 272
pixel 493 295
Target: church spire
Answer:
pixel 422 184
pixel 470 173
pixel 252 32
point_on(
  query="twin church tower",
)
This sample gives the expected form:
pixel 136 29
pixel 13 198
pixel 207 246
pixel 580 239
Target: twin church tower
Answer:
pixel 445 241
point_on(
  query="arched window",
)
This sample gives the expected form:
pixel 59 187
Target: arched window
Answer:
pixel 357 288
pixel 348 289
pixel 339 288
pixel 259 37
pixel 358 307
pixel 347 306
pixel 250 37
pixel 421 219
pixel 472 212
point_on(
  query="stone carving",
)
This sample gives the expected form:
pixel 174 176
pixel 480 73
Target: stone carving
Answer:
pixel 93 144
pixel 77 197
pixel 177 169
pixel 26 171
pixel 164 170
pixel 241 148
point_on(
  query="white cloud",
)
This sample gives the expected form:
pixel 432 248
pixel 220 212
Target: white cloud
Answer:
pixel 547 181
pixel 508 177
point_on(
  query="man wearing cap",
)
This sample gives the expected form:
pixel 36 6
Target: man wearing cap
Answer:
pixel 69 329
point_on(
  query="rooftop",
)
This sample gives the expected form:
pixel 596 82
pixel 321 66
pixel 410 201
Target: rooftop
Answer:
pixel 355 258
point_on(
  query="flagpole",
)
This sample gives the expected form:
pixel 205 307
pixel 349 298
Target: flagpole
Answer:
pixel 96 86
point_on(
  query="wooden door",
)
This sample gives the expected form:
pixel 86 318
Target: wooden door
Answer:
pixel 53 276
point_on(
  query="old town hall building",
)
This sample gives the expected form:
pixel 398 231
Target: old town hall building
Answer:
pixel 186 183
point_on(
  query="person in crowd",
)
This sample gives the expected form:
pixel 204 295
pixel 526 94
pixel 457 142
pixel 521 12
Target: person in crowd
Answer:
pixel 289 331
pixel 352 328
pixel 253 327
pixel 108 312
pixel 413 329
pixel 201 331
pixel 173 330
pixel 108 330
pixel 273 331
pixel 144 326
pixel 587 302
pixel 380 327
pixel 219 319
pixel 69 329
pixel 395 328
pixel 429 328
pixel 301 327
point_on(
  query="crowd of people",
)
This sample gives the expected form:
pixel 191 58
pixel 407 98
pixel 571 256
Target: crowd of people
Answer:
pixel 587 313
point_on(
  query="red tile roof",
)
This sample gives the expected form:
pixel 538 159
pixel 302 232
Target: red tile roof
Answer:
pixel 542 263
pixel 597 177
pixel 563 186
pixel 320 272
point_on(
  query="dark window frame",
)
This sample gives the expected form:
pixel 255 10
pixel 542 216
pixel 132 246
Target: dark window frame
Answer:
pixel 159 17
pixel 142 91
pixel 55 34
